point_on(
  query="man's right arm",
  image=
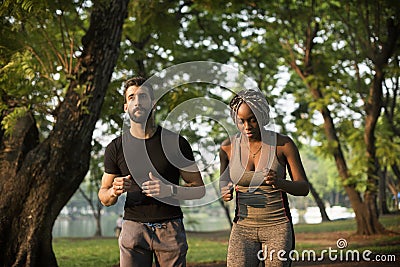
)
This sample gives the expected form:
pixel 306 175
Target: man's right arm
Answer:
pixel 108 195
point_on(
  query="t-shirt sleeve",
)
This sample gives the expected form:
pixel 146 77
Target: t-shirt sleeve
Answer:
pixel 110 159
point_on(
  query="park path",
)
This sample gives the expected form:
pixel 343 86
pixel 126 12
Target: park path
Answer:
pixel 326 240
pixel 319 264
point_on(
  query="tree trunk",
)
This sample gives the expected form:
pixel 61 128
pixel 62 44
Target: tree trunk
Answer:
pixel 373 108
pixel 95 208
pixel 319 203
pixel 97 216
pixel 393 189
pixel 383 207
pixel 367 221
pixel 38 179
pixel 365 211
pixel 396 171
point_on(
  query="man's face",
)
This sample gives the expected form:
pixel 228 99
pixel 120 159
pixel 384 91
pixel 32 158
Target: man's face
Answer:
pixel 138 104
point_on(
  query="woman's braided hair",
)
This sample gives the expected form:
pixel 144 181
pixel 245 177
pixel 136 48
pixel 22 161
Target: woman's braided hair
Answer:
pixel 255 100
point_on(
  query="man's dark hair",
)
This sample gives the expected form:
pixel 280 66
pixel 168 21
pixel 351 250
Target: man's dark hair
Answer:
pixel 138 81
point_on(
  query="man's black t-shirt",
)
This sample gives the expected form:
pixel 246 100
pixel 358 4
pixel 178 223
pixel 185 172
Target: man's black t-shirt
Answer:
pixel 164 154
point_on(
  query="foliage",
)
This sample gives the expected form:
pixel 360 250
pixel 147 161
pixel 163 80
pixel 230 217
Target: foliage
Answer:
pixel 38 56
pixel 9 122
pixel 322 173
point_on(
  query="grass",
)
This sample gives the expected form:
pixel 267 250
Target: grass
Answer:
pixel 90 252
pixel 325 235
pixel 99 252
pixel 212 247
pixel 202 250
pixel 391 222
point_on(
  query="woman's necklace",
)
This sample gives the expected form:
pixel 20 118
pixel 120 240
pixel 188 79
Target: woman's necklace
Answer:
pixel 254 154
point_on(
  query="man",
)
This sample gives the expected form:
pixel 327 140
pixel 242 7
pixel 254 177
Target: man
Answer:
pixel 147 162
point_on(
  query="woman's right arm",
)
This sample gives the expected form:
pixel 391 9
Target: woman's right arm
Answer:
pixel 226 184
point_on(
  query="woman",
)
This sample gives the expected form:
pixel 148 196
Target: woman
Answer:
pixel 254 163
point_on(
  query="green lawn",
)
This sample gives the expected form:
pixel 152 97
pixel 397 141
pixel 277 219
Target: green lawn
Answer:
pixel 88 252
pixel 99 252
pixel 203 250
pixel 391 222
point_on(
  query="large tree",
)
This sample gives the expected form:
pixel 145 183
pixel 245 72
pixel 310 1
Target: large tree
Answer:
pixel 39 175
pixel 338 55
pixel 366 42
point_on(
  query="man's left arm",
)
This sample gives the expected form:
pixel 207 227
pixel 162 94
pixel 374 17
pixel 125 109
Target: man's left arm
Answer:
pixel 193 188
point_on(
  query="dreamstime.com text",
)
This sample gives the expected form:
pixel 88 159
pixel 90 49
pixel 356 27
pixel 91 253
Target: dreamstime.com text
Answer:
pixel 339 254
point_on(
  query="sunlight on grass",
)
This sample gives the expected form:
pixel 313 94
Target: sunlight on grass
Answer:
pixel 99 252
pixel 390 222
pixel 96 252
pixel 201 250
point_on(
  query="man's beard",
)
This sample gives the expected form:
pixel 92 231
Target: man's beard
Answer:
pixel 141 118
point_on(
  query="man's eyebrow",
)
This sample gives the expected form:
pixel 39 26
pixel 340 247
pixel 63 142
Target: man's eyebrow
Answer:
pixel 135 93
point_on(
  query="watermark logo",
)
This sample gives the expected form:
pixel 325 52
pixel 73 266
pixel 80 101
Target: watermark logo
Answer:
pixel 331 254
pixel 219 82
pixel 341 243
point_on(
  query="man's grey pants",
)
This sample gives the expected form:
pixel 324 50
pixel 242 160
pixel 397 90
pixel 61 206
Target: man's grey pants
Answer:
pixel 138 242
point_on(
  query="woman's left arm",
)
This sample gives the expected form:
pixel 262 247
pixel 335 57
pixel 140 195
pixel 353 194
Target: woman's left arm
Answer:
pixel 298 186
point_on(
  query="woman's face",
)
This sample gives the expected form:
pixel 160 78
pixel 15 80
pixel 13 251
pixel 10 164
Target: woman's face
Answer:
pixel 247 122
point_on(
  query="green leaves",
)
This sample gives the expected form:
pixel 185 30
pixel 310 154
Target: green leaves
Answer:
pixel 10 120
pixel 288 47
pixel 37 54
